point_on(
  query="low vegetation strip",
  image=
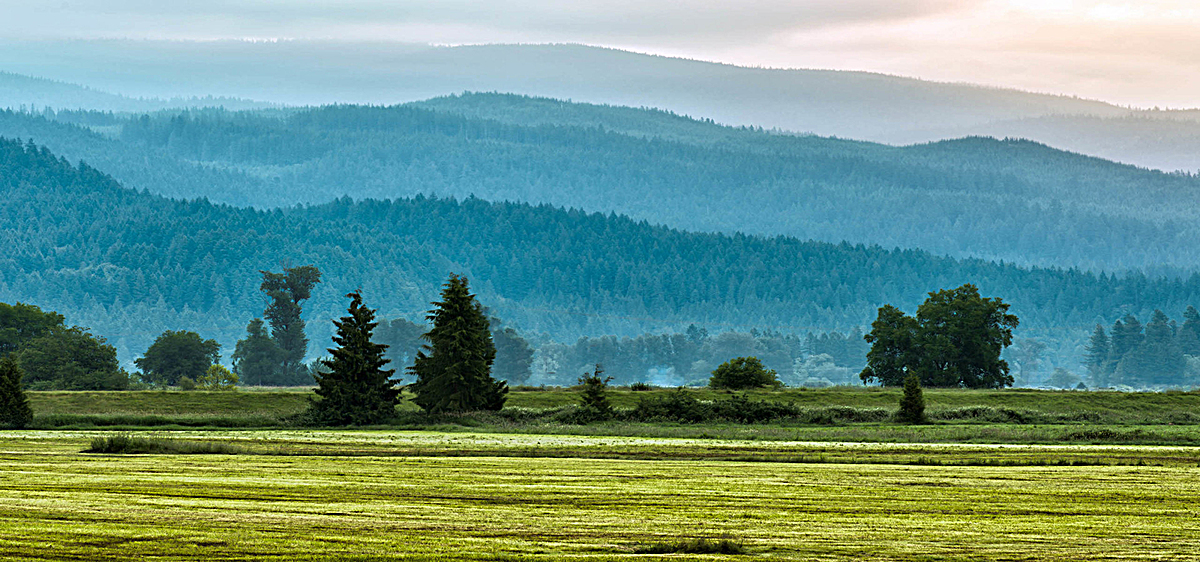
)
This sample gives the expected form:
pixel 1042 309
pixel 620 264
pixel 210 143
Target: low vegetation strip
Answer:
pixel 258 507
pixel 402 444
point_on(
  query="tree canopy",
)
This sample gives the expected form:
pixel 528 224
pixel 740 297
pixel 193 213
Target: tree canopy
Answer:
pixel 177 354
pixel 955 341
pixel 741 373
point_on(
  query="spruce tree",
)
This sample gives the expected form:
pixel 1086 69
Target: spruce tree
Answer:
pixel 356 389
pixel 912 405
pixel 454 370
pixel 14 406
pixel 1097 358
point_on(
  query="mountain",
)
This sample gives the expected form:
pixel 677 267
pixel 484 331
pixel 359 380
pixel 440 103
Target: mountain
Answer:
pixel 130 265
pixel 858 105
pixel 1015 201
pixel 17 91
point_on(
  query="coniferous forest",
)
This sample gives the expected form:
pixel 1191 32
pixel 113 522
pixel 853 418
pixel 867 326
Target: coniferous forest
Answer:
pixel 131 264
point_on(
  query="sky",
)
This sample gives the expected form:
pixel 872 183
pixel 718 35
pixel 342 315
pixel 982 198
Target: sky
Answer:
pixel 1143 54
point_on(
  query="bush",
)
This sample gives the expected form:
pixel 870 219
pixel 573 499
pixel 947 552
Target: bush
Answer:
pixel 741 373
pixel 186 383
pixel 640 387
pixel 990 414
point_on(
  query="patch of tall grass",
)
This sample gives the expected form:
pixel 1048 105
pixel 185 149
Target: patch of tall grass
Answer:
pixel 125 444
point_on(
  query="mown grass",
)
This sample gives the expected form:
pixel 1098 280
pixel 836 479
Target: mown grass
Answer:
pixel 58 504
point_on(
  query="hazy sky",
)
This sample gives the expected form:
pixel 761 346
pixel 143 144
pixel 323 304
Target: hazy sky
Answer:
pixel 1139 53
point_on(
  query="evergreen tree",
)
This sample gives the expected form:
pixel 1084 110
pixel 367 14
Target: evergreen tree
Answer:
pixel 354 389
pixel 1156 360
pixel 912 404
pixel 1097 358
pixel 454 370
pixel 14 406
pixel 1189 333
pixel 1126 336
pixel 593 402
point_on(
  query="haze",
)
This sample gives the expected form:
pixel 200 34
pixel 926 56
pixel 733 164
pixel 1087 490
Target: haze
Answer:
pixel 1131 53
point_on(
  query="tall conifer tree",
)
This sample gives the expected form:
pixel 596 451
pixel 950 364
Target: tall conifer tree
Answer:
pixel 14 406
pixel 356 389
pixel 454 370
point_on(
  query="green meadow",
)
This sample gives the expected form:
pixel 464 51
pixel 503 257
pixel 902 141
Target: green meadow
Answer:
pixel 997 475
pixel 383 494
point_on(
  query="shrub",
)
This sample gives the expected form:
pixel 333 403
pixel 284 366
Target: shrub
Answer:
pixel 217 377
pixel 742 372
pixel 640 387
pixel 741 409
pixel 693 546
pixel 186 383
pixel 677 406
pixel 912 404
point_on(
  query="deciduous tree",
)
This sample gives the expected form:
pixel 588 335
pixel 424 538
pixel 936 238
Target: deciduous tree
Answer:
pixel 178 354
pixel 742 372
pixel 955 341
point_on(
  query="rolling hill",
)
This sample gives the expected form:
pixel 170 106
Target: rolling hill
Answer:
pixel 858 105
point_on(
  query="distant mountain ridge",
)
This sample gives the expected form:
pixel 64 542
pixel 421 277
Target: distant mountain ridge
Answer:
pixel 17 91
pixel 847 104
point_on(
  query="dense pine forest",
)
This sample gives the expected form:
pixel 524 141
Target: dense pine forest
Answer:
pixel 130 264
pixel 1005 200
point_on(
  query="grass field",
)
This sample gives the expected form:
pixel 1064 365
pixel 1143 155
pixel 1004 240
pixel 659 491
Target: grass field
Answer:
pixel 378 495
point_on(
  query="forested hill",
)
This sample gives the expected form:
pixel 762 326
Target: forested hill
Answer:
pixel 131 264
pixel 1005 200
